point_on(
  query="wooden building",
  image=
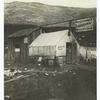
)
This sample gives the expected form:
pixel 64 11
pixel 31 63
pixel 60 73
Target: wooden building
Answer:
pixel 60 41
pixel 67 46
pixel 60 45
pixel 87 43
pixel 18 43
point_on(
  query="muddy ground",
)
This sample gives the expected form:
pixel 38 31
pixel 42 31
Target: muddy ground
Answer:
pixel 69 83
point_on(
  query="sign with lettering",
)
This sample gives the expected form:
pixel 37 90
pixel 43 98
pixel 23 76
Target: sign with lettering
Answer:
pixel 85 24
pixel 60 47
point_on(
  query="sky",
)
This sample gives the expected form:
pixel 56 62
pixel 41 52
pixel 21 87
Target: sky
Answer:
pixel 70 3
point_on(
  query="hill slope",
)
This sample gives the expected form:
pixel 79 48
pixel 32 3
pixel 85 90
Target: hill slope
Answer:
pixel 40 14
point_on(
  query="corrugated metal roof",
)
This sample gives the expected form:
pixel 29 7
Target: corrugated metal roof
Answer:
pixel 24 32
pixel 49 39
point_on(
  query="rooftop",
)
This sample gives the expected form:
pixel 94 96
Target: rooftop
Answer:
pixel 49 39
pixel 87 39
pixel 24 32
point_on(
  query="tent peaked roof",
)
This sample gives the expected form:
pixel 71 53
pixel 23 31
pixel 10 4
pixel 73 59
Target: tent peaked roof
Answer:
pixel 49 39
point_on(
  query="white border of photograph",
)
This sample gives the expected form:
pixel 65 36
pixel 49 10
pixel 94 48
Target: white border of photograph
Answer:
pixel 2 49
pixel 98 49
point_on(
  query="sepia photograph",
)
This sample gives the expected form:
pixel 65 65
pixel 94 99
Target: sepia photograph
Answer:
pixel 50 50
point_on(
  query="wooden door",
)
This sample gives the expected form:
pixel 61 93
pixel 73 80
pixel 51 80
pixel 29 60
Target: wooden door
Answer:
pixel 74 53
pixel 68 53
pixel 71 53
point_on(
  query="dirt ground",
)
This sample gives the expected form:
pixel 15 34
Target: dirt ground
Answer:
pixel 71 82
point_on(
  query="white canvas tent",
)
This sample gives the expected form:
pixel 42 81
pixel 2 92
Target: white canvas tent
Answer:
pixel 50 44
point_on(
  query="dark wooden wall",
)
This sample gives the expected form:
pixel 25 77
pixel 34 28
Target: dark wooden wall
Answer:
pixel 24 47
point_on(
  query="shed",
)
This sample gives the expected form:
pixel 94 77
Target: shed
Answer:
pixel 55 44
pixel 18 43
pixel 87 44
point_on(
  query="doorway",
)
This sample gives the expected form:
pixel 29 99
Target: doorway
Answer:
pixel 71 53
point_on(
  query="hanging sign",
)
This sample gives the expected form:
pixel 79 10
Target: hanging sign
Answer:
pixel 85 24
